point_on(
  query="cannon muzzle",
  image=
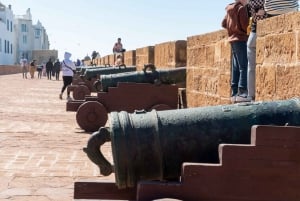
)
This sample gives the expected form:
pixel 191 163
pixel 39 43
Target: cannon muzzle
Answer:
pixel 153 145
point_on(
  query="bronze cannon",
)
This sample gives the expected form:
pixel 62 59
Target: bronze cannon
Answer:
pixel 148 146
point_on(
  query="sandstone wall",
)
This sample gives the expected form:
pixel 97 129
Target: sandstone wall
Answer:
pixel 170 54
pixel 6 70
pixel 130 58
pixel 144 55
pixel 112 59
pixel 278 57
pixel 208 69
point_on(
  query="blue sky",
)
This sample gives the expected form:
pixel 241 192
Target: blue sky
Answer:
pixel 85 25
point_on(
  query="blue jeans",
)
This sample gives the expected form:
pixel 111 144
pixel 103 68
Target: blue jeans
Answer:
pixel 239 67
pixel 251 52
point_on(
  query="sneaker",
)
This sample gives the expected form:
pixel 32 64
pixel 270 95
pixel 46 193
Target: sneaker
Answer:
pixel 233 99
pixel 60 96
pixel 243 99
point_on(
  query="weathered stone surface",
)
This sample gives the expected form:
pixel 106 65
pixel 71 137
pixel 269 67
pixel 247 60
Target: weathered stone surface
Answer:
pixel 265 82
pixel 144 55
pixel 112 59
pixel 208 64
pixel 170 54
pixel 130 58
pixel 289 22
pixel 6 70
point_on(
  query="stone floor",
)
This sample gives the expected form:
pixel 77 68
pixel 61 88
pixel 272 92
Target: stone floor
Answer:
pixel 40 143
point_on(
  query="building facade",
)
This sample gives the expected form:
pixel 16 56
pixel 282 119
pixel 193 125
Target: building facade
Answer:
pixel 20 36
pixel 7 36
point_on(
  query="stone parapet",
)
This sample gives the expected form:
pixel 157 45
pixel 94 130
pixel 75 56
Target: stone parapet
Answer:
pixel 6 70
pixel 278 57
pixel 130 58
pixel 170 54
pixel 208 69
pixel 144 55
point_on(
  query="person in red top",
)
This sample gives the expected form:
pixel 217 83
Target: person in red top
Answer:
pixel 236 22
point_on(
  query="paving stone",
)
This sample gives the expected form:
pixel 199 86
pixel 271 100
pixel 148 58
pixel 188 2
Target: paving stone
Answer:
pixel 41 145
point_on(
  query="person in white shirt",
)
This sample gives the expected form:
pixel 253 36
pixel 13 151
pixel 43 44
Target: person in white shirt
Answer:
pixel 24 65
pixel 68 67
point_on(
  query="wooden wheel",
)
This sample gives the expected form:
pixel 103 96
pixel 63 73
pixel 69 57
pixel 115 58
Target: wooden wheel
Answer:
pixel 91 115
pixel 80 92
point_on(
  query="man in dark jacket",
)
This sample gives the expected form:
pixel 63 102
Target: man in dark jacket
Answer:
pixel 57 69
pixel 49 68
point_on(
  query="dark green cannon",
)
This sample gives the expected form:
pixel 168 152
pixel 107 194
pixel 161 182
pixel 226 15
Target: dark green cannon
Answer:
pixel 164 76
pixel 96 72
pixel 153 145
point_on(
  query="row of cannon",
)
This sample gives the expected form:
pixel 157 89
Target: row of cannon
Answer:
pixel 122 89
pixel 151 137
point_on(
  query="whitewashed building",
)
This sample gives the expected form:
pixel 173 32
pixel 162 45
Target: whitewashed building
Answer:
pixel 19 37
pixel 7 36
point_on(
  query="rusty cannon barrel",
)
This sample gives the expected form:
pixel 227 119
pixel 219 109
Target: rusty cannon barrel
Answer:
pixel 96 72
pixel 153 145
pixel 162 76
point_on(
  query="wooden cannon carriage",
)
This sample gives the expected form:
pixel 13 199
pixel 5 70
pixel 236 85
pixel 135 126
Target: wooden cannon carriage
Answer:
pixel 83 82
pixel 130 91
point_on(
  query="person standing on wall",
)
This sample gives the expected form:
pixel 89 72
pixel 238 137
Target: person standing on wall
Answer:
pixel 256 8
pixel 236 22
pixel 68 68
pixel 24 66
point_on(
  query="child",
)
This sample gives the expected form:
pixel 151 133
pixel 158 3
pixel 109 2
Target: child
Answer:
pixel 236 22
pixel 119 60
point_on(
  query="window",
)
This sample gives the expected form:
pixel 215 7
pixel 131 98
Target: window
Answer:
pixel 0 45
pixel 10 26
pixel 11 48
pixel 5 48
pixel 24 39
pixel 37 33
pixel 23 28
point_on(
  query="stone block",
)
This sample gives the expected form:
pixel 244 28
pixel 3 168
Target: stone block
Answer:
pixel 170 54
pixel 265 82
pixel 279 24
pixel 287 82
pixel 130 58
pixel 106 60
pixel 112 59
pixel 144 55
pixel 279 48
